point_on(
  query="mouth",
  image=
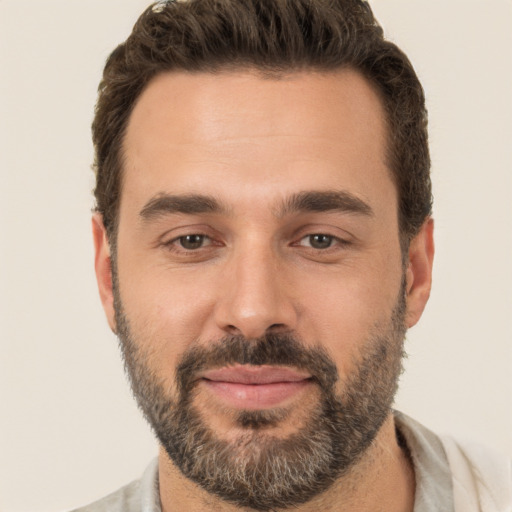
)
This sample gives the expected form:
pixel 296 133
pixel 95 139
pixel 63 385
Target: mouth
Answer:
pixel 255 387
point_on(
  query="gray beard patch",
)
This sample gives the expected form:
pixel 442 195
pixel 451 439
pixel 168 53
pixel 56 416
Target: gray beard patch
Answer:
pixel 258 470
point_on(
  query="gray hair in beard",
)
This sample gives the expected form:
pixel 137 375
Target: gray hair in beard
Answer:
pixel 258 470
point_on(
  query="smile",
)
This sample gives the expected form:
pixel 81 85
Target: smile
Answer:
pixel 255 387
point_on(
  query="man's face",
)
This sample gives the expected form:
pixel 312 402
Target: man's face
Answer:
pixel 259 285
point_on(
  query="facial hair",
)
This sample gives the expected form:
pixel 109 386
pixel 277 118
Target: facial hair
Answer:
pixel 257 470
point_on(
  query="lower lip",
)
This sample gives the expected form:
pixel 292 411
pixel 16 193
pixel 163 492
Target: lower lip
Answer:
pixel 256 396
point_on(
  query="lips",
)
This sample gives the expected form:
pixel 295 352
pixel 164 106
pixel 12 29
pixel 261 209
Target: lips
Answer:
pixel 255 387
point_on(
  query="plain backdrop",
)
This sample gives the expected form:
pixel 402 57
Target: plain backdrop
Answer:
pixel 69 430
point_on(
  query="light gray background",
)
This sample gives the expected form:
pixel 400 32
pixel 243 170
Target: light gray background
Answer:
pixel 69 431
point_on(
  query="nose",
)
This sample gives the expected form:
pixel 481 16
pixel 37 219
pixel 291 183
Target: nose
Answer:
pixel 256 298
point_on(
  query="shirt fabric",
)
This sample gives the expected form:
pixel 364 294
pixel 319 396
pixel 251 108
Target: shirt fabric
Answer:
pixel 434 473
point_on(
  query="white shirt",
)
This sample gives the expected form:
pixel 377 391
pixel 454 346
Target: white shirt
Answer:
pixel 450 477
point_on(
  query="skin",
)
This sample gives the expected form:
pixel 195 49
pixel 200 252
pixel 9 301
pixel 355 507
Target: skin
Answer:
pixel 251 144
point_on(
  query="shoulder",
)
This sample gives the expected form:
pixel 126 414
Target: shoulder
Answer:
pixel 141 495
pixel 125 499
pixel 480 478
pixel 480 475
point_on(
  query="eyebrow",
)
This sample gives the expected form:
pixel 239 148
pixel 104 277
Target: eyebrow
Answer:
pixel 307 201
pixel 191 204
pixel 324 201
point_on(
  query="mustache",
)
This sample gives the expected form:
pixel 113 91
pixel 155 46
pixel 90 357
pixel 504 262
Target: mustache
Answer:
pixel 272 349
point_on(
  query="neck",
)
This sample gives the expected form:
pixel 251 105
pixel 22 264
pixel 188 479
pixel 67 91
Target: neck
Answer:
pixel 382 480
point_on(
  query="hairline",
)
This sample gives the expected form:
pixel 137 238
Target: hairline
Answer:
pixel 276 73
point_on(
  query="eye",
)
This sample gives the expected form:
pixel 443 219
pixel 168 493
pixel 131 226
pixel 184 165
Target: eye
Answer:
pixel 193 242
pixel 319 241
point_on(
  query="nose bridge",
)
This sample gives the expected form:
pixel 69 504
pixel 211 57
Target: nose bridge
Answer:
pixel 254 300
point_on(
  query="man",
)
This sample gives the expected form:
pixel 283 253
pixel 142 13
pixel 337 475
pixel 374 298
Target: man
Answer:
pixel 263 241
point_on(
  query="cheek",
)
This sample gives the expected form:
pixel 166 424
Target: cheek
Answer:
pixel 344 311
pixel 164 306
pixel 165 311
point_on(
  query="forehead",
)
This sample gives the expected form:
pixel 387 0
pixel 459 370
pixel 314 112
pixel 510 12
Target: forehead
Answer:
pixel 305 130
pixel 205 106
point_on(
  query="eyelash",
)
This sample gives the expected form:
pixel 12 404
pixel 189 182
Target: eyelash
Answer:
pixel 333 241
pixel 176 244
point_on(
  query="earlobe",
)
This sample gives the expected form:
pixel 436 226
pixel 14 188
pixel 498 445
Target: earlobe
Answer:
pixel 103 268
pixel 419 272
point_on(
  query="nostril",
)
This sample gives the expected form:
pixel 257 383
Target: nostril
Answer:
pixel 231 329
pixel 277 327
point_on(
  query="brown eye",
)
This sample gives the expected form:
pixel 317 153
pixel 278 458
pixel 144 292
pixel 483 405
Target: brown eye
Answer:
pixel 191 242
pixel 320 241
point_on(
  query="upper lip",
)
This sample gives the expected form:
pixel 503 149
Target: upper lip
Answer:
pixel 248 374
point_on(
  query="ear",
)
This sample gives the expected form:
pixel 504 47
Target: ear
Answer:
pixel 419 272
pixel 103 268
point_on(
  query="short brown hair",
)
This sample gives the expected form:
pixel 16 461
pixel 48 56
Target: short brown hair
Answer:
pixel 274 36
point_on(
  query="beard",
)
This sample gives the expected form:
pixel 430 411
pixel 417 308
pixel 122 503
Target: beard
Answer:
pixel 258 470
